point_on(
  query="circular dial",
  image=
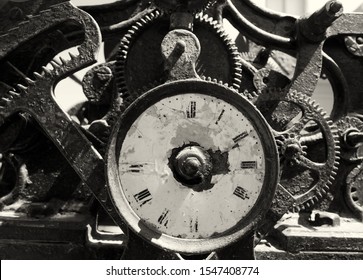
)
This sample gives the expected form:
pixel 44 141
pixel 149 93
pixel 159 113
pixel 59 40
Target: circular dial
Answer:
pixel 193 165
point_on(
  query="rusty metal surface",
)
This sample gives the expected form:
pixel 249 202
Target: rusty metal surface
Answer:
pixel 52 162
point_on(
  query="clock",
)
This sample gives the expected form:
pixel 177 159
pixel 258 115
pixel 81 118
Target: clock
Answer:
pixel 192 166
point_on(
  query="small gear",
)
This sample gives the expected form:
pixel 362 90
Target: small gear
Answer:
pixel 264 70
pixel 190 6
pixel 309 152
pixel 140 62
pixel 346 126
pixel 354 191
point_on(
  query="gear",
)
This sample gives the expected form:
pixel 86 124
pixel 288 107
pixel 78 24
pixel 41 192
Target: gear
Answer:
pixel 264 70
pixel 354 191
pixel 189 6
pixel 308 148
pixel 37 100
pixel 346 126
pixel 140 62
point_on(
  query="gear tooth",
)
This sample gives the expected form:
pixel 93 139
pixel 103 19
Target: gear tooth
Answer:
pixel 72 56
pixel 13 93
pixel 38 76
pixel 319 195
pixel 46 70
pixel 298 208
pixel 62 60
pixel 22 87
pixel 235 85
pixel 238 75
pixel 54 64
pixel 29 81
pixel 5 99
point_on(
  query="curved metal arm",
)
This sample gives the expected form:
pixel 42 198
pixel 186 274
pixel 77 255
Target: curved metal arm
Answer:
pixel 273 22
pixel 244 26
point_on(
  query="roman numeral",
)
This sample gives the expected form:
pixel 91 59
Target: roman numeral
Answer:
pixel 240 137
pixel 249 164
pixel 135 168
pixel 241 193
pixel 191 111
pixel 163 219
pixel 220 116
pixel 193 225
pixel 143 197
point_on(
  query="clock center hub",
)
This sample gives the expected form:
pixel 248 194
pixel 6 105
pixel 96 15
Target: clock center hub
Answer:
pixel 192 166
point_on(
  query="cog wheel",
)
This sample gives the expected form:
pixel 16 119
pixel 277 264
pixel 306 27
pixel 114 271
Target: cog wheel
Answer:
pixel 264 70
pixel 37 99
pixel 354 191
pixel 140 61
pixel 308 148
pixel 346 126
pixel 189 6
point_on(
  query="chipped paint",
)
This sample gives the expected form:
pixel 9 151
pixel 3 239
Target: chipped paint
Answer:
pixel 229 138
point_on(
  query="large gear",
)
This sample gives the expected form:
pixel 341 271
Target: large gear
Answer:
pixel 142 44
pixel 189 6
pixel 307 169
pixel 36 98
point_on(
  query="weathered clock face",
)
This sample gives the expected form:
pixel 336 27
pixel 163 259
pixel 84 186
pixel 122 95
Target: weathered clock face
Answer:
pixel 192 123
pixel 192 165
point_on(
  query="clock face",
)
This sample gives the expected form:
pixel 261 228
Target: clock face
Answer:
pixel 193 124
pixel 192 165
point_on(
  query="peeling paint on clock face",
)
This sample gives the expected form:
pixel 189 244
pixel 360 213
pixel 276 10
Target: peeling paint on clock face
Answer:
pixel 167 204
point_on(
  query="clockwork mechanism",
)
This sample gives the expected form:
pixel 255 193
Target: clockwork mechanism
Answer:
pixel 192 166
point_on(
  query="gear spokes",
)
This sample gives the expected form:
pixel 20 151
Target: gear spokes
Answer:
pixel 308 147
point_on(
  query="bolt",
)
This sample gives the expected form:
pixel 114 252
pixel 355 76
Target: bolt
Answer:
pixel 104 74
pixel 16 13
pixel 353 138
pixel 191 166
pixel 180 47
pixel 359 40
pixel 353 48
pixel 335 7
